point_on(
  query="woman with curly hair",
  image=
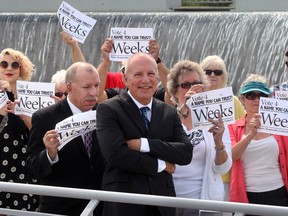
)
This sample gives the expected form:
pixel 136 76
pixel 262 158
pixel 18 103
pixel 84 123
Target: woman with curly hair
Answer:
pixel 201 179
pixel 14 130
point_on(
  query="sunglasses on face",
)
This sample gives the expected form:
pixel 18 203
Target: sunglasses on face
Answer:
pixel 60 94
pixel 188 85
pixel 254 95
pixel 216 72
pixel 4 64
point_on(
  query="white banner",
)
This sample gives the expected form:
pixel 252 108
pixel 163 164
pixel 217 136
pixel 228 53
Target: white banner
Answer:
pixel 128 41
pixel 210 104
pixel 283 95
pixel 3 98
pixel 274 113
pixel 75 126
pixel 33 96
pixel 75 23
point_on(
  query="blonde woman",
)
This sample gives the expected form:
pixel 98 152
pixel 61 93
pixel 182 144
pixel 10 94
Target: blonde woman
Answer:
pixel 14 130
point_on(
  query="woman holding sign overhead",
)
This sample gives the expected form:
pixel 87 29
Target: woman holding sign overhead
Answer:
pixel 14 130
pixel 259 171
pixel 201 179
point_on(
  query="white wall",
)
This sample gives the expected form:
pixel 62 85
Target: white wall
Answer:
pixel 89 5
pixel 261 5
pixel 129 5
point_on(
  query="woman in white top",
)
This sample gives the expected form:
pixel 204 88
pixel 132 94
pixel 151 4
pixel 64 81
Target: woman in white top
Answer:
pixel 201 179
pixel 259 171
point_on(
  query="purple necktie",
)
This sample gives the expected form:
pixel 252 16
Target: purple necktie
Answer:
pixel 88 142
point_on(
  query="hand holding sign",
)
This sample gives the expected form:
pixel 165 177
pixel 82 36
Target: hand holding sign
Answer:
pixel 51 143
pixel 75 23
pixel 5 85
pixel 129 41
pixel 208 105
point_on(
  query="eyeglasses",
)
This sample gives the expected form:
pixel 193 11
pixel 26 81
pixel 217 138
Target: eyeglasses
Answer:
pixel 122 69
pixel 254 95
pixel 188 85
pixel 216 72
pixel 60 94
pixel 4 64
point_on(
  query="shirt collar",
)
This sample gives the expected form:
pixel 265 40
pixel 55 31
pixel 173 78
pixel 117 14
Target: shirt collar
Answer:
pixel 73 108
pixel 139 105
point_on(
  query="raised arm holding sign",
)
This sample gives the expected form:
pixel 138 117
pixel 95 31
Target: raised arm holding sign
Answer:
pixel 212 146
pixel 75 23
pixel 258 158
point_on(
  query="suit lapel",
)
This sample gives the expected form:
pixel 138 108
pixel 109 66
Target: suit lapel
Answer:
pixel 133 112
pixel 156 117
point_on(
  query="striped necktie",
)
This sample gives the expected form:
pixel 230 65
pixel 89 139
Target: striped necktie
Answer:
pixel 144 113
pixel 88 142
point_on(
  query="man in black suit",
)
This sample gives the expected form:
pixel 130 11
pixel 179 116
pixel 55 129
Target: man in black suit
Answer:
pixel 71 166
pixel 140 160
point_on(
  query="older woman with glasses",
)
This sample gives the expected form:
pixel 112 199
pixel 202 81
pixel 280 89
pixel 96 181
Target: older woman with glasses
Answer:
pixel 14 130
pixel 60 86
pixel 201 179
pixel 259 170
pixel 217 75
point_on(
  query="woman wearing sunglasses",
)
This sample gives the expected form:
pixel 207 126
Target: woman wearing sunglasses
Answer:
pixel 259 170
pixel 217 75
pixel 14 133
pixel 201 179
pixel 60 86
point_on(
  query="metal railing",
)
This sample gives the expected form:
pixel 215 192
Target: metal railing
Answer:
pixel 95 196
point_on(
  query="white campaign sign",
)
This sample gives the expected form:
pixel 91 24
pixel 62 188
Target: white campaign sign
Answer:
pixel 128 41
pixel 75 126
pixel 33 96
pixel 75 23
pixel 283 95
pixel 3 98
pixel 210 104
pixel 274 116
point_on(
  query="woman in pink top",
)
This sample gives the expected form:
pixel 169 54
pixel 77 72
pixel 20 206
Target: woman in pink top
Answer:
pixel 259 170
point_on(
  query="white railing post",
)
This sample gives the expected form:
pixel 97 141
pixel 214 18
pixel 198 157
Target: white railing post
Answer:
pixel 88 211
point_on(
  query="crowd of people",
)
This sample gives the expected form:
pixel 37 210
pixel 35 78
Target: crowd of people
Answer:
pixel 144 140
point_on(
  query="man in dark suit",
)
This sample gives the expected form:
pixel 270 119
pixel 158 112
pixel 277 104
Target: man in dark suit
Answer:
pixel 140 159
pixel 71 166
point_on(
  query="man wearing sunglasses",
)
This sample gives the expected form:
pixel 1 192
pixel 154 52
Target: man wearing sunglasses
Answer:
pixel 284 85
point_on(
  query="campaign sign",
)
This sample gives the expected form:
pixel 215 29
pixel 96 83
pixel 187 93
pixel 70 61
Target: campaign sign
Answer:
pixel 283 95
pixel 75 126
pixel 128 41
pixel 274 116
pixel 75 23
pixel 211 104
pixel 3 98
pixel 33 96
